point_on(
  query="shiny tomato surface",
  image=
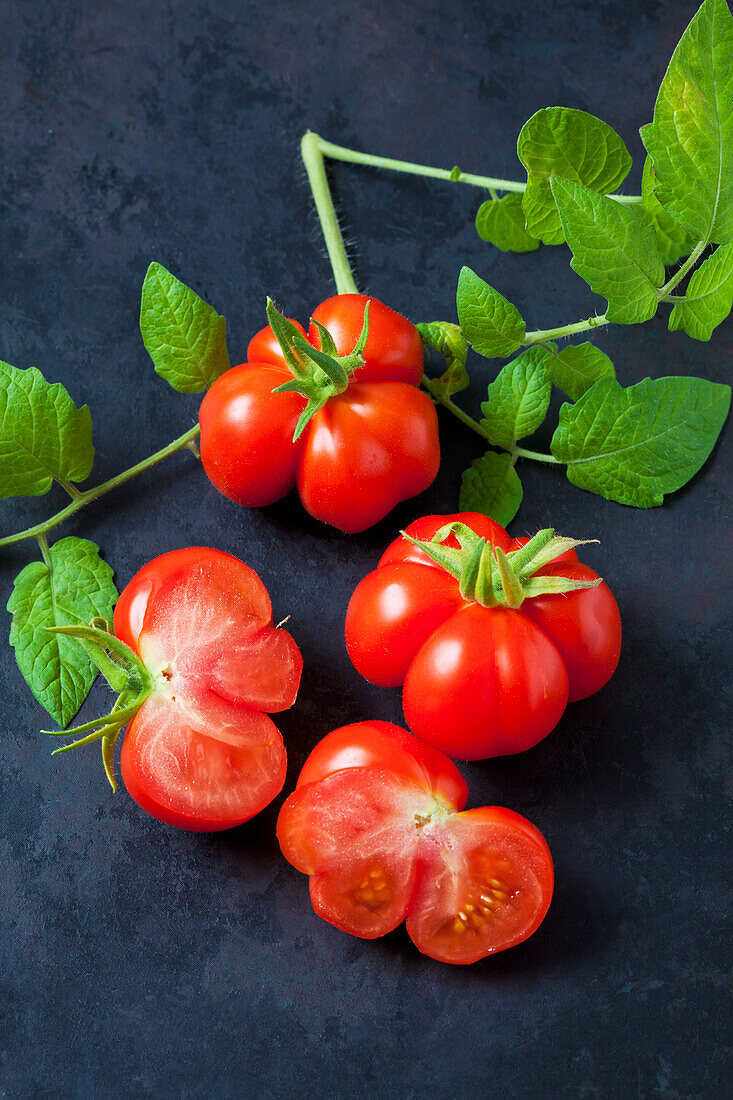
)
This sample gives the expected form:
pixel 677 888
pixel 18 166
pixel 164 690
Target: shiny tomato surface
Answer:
pixel 479 681
pixel 369 447
pixel 377 822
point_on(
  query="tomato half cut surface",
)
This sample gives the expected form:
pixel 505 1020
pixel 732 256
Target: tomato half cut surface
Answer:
pixel 200 753
pixel 384 841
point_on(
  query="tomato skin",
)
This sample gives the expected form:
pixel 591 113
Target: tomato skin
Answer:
pixel 486 683
pixel 386 746
pixel 379 847
pixel 200 753
pixel 394 350
pixel 392 613
pixel 479 682
pixel 247 447
pixel 369 448
pixel 264 347
pixel 584 626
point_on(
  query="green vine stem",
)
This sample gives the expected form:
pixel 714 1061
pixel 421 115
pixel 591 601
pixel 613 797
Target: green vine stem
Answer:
pixel 313 149
pixel 453 175
pixel 442 398
pixel 80 501
pixel 540 335
pixel 315 165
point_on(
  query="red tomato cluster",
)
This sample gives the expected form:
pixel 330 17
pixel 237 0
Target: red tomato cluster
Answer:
pixel 490 636
pixel 367 449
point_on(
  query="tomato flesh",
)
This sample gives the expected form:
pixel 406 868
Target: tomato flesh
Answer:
pixel 200 753
pixel 381 845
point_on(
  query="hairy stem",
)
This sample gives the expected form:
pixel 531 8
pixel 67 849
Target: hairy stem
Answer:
pixel 454 175
pixel 536 456
pixel 447 403
pixel 41 529
pixel 664 291
pixel 539 336
pixel 315 166
pixel 443 399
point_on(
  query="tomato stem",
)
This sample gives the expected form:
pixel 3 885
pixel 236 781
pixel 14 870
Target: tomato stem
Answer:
pixel 682 270
pixel 315 166
pixel 540 336
pixel 40 530
pixel 452 175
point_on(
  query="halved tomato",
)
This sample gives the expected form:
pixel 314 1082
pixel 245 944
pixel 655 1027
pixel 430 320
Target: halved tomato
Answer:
pixel 376 823
pixel 199 753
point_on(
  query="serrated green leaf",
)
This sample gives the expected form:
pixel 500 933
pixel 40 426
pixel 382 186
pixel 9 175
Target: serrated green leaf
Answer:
pixel 561 141
pixel 491 485
pixel 43 435
pixel 77 587
pixel 614 250
pixel 673 242
pixel 690 138
pixel 491 324
pixel 518 399
pixel 635 445
pixel 501 222
pixel 184 336
pixel 577 367
pixel 447 339
pixel 708 298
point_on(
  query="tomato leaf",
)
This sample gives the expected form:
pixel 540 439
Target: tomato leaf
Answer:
pixel 673 242
pixel 491 324
pixel 561 141
pixel 75 586
pixel 518 399
pixel 501 222
pixel 634 445
pixel 184 336
pixel 690 138
pixel 708 298
pixel 613 250
pixel 491 485
pixel 43 435
pixel 577 367
pixel 448 340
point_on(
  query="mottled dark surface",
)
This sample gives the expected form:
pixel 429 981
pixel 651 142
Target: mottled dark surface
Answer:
pixel 141 961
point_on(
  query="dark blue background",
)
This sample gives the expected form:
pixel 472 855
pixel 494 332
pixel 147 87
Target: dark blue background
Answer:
pixel 142 961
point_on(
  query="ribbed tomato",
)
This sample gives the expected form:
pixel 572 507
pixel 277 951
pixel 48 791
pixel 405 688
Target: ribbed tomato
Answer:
pixel 369 446
pixel 481 680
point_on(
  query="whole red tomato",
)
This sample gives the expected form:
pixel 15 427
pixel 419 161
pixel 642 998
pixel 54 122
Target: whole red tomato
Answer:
pixel 482 678
pixel 377 821
pixel 201 753
pixel 363 451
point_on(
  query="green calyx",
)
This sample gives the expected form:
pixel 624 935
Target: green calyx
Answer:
pixel 124 672
pixel 494 579
pixel 317 374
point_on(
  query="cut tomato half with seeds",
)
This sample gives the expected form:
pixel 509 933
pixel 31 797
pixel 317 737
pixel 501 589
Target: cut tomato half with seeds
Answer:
pixel 376 821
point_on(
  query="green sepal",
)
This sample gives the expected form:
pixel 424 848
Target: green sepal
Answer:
pixel 124 672
pixel 285 333
pixel 318 373
pixel 492 578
